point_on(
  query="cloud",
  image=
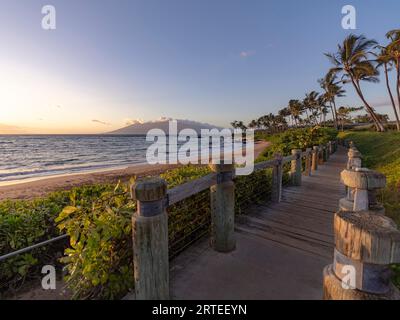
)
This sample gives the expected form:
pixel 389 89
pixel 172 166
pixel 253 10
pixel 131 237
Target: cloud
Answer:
pixel 382 102
pixel 9 129
pixel 129 121
pixel 246 54
pixel 101 122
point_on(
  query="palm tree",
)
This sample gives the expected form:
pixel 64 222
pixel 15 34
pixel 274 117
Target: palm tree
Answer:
pixel 253 124
pixel 295 108
pixel 284 112
pixel 332 90
pixel 312 103
pixel 238 125
pixel 384 59
pixel 393 51
pixel 351 60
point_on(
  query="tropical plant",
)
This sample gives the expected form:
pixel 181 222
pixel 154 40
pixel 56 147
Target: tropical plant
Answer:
pixel 385 60
pixel 332 90
pixel 351 61
pixel 296 109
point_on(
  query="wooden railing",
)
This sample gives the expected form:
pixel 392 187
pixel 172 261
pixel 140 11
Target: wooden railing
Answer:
pixel 150 222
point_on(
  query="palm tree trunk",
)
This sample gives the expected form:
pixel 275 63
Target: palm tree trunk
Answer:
pixel 398 87
pixel 378 124
pixel 334 119
pixel 336 115
pixel 391 95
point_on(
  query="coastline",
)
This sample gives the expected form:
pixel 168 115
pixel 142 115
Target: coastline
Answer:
pixel 36 187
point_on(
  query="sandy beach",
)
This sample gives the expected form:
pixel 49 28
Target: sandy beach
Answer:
pixel 39 187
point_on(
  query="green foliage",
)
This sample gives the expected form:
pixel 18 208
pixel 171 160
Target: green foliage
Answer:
pixel 381 151
pixel 27 222
pixel 184 174
pixel 99 260
pixel 299 139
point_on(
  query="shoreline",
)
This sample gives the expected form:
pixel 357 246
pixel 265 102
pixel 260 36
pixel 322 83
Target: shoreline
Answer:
pixel 37 187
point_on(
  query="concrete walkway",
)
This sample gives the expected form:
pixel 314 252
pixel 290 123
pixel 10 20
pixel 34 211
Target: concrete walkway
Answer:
pixel 281 248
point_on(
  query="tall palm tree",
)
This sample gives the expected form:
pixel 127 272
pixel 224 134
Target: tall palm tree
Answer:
pixel 295 108
pixel 311 103
pixel 351 60
pixel 332 90
pixel 384 59
pixel 393 51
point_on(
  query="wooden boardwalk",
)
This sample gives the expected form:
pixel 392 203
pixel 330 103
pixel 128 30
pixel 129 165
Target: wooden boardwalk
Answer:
pixel 281 248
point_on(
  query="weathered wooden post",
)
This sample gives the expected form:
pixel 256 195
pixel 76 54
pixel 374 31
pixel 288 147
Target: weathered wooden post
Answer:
pixel 277 171
pixel 321 154
pixel 223 209
pixel 331 145
pixel 295 171
pixel 150 240
pixel 314 159
pixel 363 184
pixel 325 154
pixel 307 166
pixel 365 245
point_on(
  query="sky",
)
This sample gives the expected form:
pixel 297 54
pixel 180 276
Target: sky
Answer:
pixel 109 63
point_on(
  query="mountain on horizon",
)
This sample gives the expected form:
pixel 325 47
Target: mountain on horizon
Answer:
pixel 143 128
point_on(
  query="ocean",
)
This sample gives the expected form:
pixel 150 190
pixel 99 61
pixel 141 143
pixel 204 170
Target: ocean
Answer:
pixel 33 156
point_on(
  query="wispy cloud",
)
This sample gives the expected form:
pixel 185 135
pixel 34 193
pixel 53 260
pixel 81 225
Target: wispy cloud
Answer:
pixel 130 121
pixel 101 122
pixel 382 102
pixel 246 54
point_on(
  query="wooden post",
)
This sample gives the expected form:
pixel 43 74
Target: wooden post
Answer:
pixel 331 145
pixel 223 209
pixel 321 154
pixel 363 184
pixel 276 193
pixel 314 162
pixel 150 240
pixel 365 245
pixel 325 154
pixel 295 171
pixel 307 171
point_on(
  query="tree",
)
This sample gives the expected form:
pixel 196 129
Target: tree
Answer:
pixel 310 103
pixel 392 51
pixel 384 60
pixel 253 124
pixel 351 60
pixel 295 108
pixel 238 125
pixel 344 114
pixel 332 90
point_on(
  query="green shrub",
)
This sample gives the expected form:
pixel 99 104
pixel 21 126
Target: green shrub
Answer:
pixel 27 222
pixel 299 139
pixel 99 260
